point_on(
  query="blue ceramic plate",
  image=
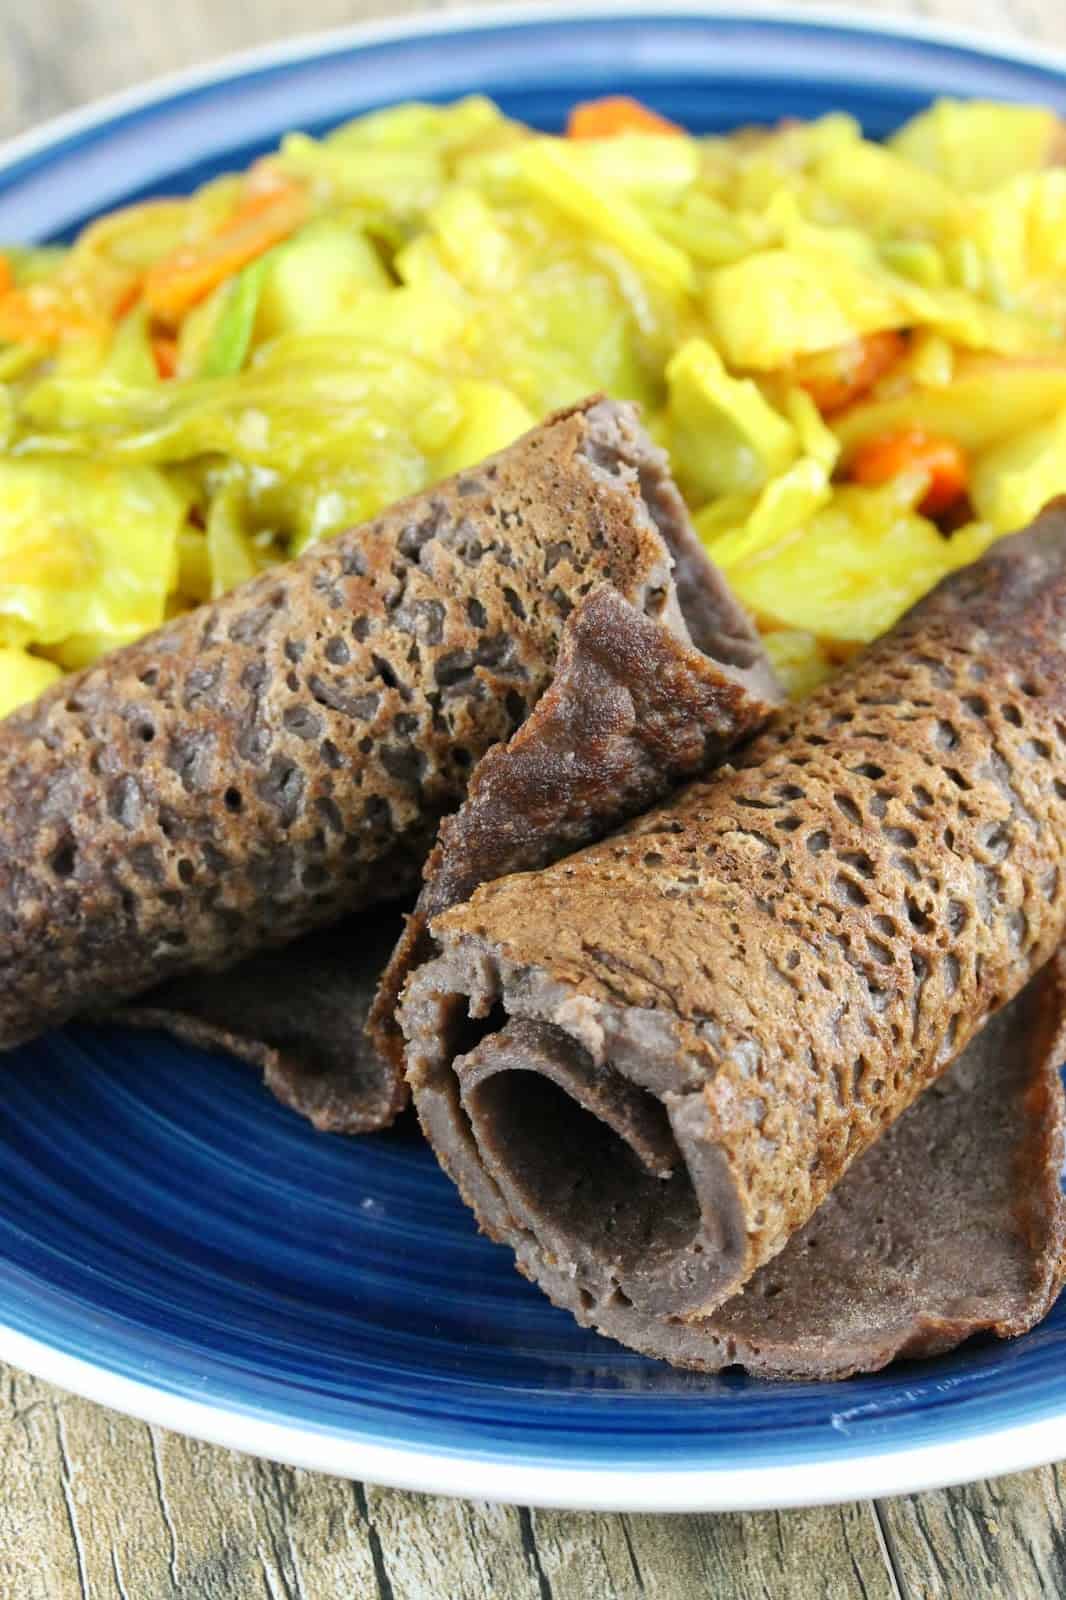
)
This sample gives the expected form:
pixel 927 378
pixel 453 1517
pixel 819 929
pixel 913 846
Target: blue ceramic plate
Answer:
pixel 172 1242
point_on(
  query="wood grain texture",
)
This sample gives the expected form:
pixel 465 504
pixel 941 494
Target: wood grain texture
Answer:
pixel 94 1506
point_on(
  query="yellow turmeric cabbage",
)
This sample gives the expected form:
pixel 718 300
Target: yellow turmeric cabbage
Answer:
pixel 775 305
pixel 800 661
pixel 195 388
pixel 983 402
pixel 23 677
pixel 724 435
pixel 976 145
pixel 853 567
pixel 86 549
pixel 1011 481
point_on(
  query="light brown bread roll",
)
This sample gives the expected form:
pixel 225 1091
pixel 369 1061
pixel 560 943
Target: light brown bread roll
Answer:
pixel 647 1065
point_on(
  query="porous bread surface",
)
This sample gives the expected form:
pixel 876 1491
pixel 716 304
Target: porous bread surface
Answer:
pixel 951 1224
pixel 823 930
pixel 272 761
pixel 630 709
pixel 630 712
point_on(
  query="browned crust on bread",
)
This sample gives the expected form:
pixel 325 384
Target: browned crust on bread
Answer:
pixel 631 711
pixel 785 956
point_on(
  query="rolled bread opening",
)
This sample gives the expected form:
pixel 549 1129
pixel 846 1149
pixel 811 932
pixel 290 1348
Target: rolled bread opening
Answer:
pixel 600 1182
pixel 614 1194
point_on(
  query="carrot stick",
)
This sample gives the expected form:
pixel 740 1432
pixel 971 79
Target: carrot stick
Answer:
pixel 127 298
pixel 835 378
pixel 165 354
pixel 263 219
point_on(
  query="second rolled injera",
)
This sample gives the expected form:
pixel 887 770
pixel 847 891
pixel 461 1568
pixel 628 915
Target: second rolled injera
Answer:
pixel 261 767
pixel 648 1065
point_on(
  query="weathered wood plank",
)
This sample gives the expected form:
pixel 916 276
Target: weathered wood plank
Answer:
pixel 63 53
pixel 39 1552
pixel 474 1552
pixel 828 1553
pixel 1003 1540
pixel 458 1548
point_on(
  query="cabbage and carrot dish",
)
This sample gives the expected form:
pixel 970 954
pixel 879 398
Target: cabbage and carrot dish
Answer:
pixel 855 354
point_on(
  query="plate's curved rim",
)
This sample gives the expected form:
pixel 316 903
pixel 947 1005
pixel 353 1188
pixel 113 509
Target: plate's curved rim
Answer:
pixel 907 1469
pixel 799 1483
pixel 336 41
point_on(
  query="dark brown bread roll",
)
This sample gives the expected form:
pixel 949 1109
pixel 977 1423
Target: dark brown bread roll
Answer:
pixel 648 1065
pixel 630 711
pixel 283 756
pixel 280 759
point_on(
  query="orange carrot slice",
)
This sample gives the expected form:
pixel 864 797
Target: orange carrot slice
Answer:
pixel 882 459
pixel 127 297
pixel 264 218
pixel 615 114
pixel 165 354
pixel 835 378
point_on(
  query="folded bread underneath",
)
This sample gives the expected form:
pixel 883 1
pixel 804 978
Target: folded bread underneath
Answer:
pixel 649 1064
pixel 280 759
pixel 299 1015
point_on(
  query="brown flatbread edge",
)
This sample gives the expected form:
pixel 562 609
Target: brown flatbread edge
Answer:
pixel 631 711
pixel 298 1015
pixel 953 1224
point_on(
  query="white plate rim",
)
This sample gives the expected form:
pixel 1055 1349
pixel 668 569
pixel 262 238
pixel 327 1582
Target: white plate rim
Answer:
pixel 799 1483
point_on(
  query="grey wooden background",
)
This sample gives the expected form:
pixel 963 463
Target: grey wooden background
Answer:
pixel 96 1507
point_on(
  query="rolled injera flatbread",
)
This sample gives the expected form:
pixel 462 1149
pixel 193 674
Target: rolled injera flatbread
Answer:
pixel 630 711
pixel 647 1065
pixel 275 761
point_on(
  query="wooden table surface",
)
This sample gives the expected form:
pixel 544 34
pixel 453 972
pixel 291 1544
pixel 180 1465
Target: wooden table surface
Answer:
pixel 96 1507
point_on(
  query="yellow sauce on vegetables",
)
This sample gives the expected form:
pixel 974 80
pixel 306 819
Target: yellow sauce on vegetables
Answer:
pixel 813 323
